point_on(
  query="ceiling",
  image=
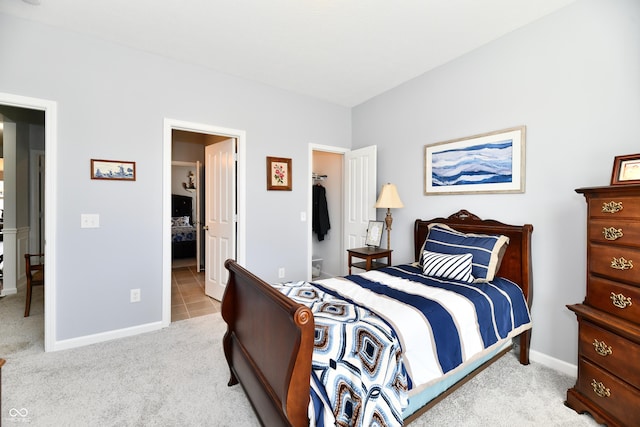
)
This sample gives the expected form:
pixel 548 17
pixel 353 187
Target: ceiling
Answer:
pixel 342 51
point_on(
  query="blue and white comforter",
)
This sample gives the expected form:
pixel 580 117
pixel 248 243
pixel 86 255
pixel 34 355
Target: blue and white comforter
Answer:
pixel 183 233
pixel 403 331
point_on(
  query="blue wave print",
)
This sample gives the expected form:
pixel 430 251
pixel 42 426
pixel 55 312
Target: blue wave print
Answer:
pixel 479 164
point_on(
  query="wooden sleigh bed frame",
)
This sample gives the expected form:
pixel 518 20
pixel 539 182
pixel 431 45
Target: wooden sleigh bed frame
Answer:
pixel 269 340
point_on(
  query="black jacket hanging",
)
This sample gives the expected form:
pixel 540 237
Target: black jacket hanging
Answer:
pixel 320 224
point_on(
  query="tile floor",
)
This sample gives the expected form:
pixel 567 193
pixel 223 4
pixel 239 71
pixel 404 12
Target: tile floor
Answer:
pixel 187 294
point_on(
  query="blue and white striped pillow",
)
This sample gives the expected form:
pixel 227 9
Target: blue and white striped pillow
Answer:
pixel 456 267
pixel 487 249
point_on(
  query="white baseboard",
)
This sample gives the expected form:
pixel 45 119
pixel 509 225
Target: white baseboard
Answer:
pixel 553 363
pixel 105 336
pixel 6 292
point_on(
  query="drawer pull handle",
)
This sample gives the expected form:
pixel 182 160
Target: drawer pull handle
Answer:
pixel 620 300
pixel 621 263
pixel 612 207
pixel 612 233
pixel 600 389
pixel 601 348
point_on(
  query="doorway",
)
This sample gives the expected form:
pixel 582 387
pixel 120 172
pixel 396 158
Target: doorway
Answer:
pixel 326 246
pixel 32 123
pixel 349 180
pixel 192 142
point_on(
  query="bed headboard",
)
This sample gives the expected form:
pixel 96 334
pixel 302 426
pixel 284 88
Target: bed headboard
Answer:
pixel 181 206
pixel 516 263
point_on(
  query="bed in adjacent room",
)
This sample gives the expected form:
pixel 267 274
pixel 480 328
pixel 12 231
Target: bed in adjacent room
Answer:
pixel 183 230
pixel 383 346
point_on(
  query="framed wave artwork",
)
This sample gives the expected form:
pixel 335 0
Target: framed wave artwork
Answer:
pixel 493 162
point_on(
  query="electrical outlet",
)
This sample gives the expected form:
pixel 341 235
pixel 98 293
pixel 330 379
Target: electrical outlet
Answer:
pixel 281 273
pixel 135 295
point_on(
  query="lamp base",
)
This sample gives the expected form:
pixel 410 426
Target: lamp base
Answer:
pixel 388 220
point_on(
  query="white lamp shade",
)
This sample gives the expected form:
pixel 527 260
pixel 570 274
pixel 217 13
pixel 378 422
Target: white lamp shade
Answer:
pixel 389 198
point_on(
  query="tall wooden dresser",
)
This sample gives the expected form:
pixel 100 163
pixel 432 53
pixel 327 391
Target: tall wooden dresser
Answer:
pixel 608 385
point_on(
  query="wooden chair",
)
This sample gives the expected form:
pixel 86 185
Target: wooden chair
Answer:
pixel 35 277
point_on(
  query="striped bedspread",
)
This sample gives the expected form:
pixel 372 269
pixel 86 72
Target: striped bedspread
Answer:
pixel 438 325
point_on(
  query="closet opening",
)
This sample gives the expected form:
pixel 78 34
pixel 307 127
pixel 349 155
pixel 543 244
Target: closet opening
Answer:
pixel 326 222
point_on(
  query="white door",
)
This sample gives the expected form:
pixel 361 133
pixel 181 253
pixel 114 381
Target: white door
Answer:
pixel 359 195
pixel 219 223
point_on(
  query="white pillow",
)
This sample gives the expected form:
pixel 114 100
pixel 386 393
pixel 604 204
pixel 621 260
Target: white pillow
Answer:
pixel 457 267
pixel 180 221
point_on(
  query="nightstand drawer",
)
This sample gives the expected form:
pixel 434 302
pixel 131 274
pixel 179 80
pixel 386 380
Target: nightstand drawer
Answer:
pixel 614 207
pixel 615 298
pixel 610 352
pixel 615 262
pixel 615 231
pixel 609 393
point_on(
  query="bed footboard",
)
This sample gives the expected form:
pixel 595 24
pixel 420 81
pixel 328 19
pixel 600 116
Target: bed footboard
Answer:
pixel 268 346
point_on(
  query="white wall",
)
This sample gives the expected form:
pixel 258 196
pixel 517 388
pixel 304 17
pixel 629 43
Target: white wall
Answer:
pixel 112 102
pixel 573 78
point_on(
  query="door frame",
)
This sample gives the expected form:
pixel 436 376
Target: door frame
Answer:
pixel 240 135
pixel 50 109
pixel 327 149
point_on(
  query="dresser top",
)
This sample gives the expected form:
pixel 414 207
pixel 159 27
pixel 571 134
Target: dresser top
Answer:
pixel 623 189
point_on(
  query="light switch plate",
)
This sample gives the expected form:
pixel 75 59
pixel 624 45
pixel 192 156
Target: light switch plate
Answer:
pixel 89 221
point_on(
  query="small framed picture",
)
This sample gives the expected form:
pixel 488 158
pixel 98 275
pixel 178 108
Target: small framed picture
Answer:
pixel 374 233
pixel 113 169
pixel 626 170
pixel 278 174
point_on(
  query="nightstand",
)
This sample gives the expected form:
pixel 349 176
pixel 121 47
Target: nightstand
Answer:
pixel 369 254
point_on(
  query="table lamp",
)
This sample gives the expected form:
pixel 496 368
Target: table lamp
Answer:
pixel 389 199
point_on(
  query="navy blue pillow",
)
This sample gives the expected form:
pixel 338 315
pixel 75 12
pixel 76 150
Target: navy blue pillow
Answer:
pixel 487 249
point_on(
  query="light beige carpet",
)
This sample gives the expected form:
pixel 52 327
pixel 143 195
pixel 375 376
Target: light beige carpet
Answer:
pixel 178 377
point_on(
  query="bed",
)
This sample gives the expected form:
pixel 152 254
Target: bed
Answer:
pixel 183 230
pixel 270 339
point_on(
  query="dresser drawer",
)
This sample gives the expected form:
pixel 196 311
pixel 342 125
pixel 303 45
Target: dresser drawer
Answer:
pixel 617 355
pixel 614 298
pixel 614 207
pixel 615 231
pixel 615 262
pixel 609 392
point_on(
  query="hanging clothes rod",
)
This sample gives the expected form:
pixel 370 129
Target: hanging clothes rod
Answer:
pixel 318 177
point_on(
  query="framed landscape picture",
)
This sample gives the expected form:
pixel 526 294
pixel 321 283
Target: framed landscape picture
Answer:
pixel 113 170
pixel 488 163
